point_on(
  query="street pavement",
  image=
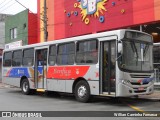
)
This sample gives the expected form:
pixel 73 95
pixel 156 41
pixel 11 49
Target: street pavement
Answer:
pixel 154 96
pixel 2 85
pixel 39 102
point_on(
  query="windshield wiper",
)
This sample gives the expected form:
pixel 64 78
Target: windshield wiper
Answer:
pixel 145 50
pixel 133 46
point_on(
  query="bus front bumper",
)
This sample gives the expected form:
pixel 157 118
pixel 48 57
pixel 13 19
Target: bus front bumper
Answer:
pixel 124 90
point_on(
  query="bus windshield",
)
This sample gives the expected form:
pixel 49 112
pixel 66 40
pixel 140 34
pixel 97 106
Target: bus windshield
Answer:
pixel 137 55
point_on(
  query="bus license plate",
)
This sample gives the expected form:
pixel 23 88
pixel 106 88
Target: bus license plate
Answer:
pixel 141 88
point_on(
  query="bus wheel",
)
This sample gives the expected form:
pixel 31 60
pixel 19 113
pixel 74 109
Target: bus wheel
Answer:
pixel 25 87
pixel 82 91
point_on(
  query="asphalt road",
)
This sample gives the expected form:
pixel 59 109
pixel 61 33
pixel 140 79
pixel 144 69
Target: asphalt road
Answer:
pixel 11 99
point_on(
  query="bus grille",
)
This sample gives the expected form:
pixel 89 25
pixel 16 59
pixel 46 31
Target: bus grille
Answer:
pixel 140 76
pixel 140 91
pixel 133 83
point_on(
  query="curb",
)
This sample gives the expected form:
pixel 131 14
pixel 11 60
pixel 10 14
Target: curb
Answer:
pixel 2 85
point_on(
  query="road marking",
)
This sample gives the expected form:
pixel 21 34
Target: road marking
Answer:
pixel 133 107
pixel 140 110
pixel 136 108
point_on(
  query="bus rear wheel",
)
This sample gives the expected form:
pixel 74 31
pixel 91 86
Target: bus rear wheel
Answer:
pixel 82 91
pixel 25 87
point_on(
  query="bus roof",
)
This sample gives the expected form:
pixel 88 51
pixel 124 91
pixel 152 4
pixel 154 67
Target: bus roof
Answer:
pixel 83 37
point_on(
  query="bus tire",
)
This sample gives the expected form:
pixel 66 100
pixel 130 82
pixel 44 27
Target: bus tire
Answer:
pixel 82 91
pixel 25 87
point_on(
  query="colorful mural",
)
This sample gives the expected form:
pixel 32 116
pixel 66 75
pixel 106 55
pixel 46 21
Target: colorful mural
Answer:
pixel 68 18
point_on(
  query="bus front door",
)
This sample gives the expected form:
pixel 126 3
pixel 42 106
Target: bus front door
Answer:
pixel 108 55
pixel 40 69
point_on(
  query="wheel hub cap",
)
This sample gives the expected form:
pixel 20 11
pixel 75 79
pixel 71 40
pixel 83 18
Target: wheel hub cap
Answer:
pixel 82 91
pixel 25 87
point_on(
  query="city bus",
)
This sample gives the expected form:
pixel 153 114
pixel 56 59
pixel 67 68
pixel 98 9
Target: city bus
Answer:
pixel 115 64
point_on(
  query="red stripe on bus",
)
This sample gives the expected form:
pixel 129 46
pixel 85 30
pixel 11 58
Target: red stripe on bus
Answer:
pixel 67 72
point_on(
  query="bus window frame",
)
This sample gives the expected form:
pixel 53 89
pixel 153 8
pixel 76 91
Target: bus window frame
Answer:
pixel 33 64
pixel 21 57
pixel 87 40
pixel 65 54
pixel 10 59
pixel 55 62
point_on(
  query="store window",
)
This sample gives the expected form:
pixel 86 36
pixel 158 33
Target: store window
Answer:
pixel 13 33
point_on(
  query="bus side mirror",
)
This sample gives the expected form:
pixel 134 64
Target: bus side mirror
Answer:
pixel 120 51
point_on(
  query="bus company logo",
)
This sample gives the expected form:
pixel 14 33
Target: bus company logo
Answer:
pixel 92 8
pixel 62 72
pixel 77 71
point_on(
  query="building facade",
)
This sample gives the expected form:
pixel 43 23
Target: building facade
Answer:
pixel 68 18
pixel 2 29
pixel 2 37
pixel 21 29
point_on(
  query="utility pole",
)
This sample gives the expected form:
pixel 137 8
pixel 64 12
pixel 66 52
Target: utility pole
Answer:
pixel 45 21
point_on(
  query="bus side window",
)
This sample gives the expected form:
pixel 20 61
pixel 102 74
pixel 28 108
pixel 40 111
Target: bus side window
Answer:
pixel 87 52
pixel 66 53
pixel 28 57
pixel 17 58
pixel 7 59
pixel 52 55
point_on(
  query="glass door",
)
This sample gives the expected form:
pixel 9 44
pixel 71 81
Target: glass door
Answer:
pixel 108 55
pixel 40 68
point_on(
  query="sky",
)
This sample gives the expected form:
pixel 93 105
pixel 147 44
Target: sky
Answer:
pixel 13 7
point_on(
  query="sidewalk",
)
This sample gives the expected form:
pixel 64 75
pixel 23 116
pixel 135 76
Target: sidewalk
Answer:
pixel 4 85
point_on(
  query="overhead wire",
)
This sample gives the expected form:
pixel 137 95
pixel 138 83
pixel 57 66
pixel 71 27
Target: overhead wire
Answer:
pixel 2 2
pixel 8 7
pixel 5 4
pixel 28 9
pixel 51 25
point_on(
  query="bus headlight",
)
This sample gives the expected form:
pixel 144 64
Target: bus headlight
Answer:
pixel 125 81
